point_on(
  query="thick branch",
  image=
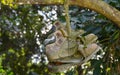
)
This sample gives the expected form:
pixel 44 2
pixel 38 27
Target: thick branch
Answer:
pixel 100 7
pixel 96 5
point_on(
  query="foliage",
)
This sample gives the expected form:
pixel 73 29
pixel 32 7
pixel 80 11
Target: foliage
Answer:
pixel 18 39
pixel 3 71
pixel 19 26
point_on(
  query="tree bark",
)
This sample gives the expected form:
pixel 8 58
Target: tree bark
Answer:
pixel 97 5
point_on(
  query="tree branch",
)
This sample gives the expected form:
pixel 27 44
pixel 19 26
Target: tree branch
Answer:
pixel 97 5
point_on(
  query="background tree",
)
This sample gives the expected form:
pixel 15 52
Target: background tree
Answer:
pixel 21 25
